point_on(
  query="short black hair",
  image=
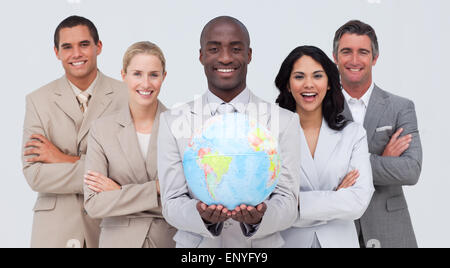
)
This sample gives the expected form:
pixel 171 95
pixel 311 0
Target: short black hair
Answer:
pixel 333 103
pixel 73 21
pixel 359 28
pixel 227 19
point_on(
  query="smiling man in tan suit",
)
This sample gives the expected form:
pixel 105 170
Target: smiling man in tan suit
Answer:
pixel 57 120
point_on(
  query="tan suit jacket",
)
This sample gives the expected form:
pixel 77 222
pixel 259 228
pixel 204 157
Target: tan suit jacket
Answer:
pixel 132 216
pixel 53 111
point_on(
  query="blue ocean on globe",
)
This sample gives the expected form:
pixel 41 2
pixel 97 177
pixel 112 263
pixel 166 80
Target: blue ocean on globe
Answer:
pixel 232 160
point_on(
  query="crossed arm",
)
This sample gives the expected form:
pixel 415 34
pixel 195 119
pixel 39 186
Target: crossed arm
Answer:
pixel 46 168
pixel 103 196
pixel 401 160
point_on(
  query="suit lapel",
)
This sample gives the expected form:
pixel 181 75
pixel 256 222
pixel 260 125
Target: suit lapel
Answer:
pixel 200 113
pixel 347 113
pixel 307 163
pixel 66 100
pixel 100 100
pixel 151 162
pixel 263 114
pixel 374 112
pixel 328 140
pixel 202 110
pixel 129 144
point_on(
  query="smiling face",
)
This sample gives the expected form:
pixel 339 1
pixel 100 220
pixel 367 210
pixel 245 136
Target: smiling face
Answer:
pixel 355 60
pixel 308 85
pixel 225 54
pixel 144 77
pixel 78 53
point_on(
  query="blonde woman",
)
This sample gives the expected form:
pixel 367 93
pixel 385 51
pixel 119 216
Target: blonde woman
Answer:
pixel 121 181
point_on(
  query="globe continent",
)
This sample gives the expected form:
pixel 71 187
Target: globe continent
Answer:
pixel 232 160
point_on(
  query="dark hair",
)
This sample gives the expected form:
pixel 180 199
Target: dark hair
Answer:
pixel 227 19
pixel 73 21
pixel 333 103
pixel 359 28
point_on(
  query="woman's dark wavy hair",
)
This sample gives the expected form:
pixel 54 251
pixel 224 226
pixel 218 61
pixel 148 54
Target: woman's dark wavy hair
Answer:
pixel 333 103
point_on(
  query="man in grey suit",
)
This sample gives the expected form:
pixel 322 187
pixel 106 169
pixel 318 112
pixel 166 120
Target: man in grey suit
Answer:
pixel 392 134
pixel 225 53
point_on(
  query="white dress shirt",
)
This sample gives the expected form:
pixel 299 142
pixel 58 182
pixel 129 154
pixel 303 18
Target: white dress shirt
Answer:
pixel 358 107
pixel 90 89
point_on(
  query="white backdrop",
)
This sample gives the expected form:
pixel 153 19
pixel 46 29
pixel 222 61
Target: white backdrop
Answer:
pixel 413 36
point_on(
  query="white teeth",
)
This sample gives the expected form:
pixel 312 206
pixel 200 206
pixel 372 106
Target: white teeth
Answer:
pixel 355 70
pixel 225 70
pixel 145 93
pixel 78 63
pixel 309 94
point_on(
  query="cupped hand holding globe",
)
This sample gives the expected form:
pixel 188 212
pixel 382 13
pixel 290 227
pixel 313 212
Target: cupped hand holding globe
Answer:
pixel 249 214
pixel 213 213
pixel 243 213
pixel 232 165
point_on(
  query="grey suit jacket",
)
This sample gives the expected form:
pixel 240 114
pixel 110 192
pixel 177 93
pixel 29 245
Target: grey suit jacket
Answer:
pixel 179 203
pixel 53 111
pixel 386 222
pixel 133 214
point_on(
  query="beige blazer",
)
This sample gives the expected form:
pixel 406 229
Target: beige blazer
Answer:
pixel 53 111
pixel 132 216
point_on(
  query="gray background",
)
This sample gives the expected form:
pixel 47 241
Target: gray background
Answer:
pixel 414 43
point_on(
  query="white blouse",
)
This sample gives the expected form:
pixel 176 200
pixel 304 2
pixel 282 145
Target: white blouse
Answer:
pixel 144 140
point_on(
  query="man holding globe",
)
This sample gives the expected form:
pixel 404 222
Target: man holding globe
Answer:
pixel 188 156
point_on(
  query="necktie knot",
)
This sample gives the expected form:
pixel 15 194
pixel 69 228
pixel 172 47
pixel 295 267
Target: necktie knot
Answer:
pixel 83 99
pixel 225 108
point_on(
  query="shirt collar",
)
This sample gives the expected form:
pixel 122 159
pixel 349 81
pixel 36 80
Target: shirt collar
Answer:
pixel 239 102
pixel 365 98
pixel 89 90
